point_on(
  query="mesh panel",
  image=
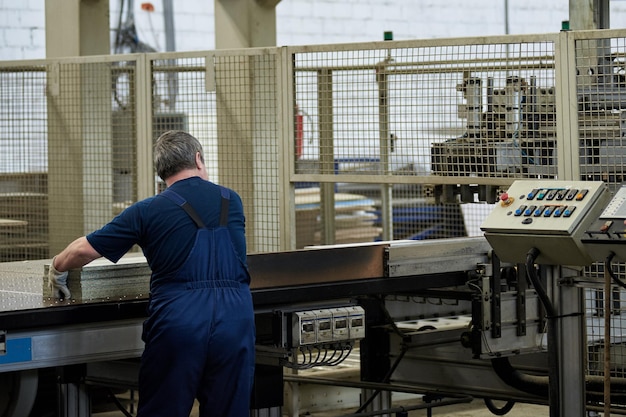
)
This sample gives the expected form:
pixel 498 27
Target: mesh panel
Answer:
pixel 23 183
pixel 236 125
pixel 601 89
pixel 410 119
pixel 91 146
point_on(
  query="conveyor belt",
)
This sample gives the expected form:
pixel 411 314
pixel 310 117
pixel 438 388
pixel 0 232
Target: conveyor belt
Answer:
pixel 282 278
pixel 37 331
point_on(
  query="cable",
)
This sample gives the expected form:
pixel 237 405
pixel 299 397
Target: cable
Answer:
pixel 553 353
pixel 499 411
pixel 340 353
pixel 385 380
pixel 118 403
pixel 607 267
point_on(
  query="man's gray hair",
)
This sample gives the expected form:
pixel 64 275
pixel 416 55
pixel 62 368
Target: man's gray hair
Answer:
pixel 175 151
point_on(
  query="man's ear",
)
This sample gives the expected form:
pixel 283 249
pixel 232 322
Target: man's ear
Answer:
pixel 199 161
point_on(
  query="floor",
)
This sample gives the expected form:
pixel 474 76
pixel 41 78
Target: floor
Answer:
pixel 475 408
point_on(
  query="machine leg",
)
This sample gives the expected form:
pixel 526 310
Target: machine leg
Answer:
pixel 74 400
pixel 569 302
pixel 267 412
pixel 267 394
pixel 382 400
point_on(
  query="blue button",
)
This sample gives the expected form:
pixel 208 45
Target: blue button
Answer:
pixel 532 194
pixel 529 211
pixel 568 211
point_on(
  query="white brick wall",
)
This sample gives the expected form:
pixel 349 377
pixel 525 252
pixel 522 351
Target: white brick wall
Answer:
pixel 312 21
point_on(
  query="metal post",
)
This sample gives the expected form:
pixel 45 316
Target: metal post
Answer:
pixel 384 140
pixel 571 344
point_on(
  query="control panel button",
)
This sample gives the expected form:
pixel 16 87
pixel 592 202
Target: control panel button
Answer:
pixel 541 194
pixel 506 200
pixel 606 226
pixel 559 211
pixel 520 210
pixel 531 195
pixel 548 211
pixel 568 211
pixel 538 211
pixel 581 194
pixel 571 194
pixel 529 211
pixel 551 194
pixel 560 194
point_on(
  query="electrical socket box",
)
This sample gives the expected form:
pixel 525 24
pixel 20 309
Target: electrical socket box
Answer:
pixel 341 326
pixel 325 325
pixel 356 322
pixel 549 215
pixel 304 328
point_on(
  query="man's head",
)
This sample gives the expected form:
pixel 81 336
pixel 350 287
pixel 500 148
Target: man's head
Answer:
pixel 176 151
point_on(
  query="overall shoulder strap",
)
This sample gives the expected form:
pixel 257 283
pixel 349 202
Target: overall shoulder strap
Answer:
pixel 224 209
pixel 180 201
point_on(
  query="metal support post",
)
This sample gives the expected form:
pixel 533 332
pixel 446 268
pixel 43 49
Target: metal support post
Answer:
pixel 74 400
pixel 569 303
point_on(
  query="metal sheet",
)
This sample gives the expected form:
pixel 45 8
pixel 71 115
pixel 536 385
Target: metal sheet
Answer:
pixel 319 265
pixel 435 256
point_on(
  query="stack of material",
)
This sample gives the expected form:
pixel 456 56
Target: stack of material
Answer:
pixel 104 280
pixel 355 218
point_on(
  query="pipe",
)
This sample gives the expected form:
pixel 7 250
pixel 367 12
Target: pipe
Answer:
pixel 539 385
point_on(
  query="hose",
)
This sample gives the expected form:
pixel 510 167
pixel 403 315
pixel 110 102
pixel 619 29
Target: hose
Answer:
pixel 499 411
pixel 553 352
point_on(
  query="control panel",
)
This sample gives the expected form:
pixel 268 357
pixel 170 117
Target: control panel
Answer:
pixel 549 215
pixel 607 233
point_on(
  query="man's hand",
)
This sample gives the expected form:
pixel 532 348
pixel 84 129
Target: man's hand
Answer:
pixel 57 281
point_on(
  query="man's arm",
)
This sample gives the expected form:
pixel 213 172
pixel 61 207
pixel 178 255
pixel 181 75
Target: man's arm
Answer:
pixel 75 255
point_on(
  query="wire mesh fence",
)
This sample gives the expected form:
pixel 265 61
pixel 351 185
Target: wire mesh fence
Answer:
pixel 325 144
pixel 601 98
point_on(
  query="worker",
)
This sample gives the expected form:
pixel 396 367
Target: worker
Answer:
pixel 199 335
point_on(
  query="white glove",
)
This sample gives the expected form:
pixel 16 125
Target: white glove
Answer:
pixel 57 281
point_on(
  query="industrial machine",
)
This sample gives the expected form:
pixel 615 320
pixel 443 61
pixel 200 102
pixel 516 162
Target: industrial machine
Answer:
pixel 446 320
pixel 312 307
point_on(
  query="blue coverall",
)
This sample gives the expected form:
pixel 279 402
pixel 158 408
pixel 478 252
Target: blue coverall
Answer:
pixel 199 336
pixel 198 333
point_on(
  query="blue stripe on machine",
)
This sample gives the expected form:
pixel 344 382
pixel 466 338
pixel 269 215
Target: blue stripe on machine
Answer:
pixel 17 350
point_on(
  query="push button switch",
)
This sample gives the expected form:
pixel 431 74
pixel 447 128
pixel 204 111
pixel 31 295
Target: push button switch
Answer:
pixel 531 195
pixel 560 195
pixel 529 211
pixel 568 211
pixel 571 194
pixel 559 211
pixel 581 195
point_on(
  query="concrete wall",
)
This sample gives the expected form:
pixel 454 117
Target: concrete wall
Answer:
pixel 300 22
